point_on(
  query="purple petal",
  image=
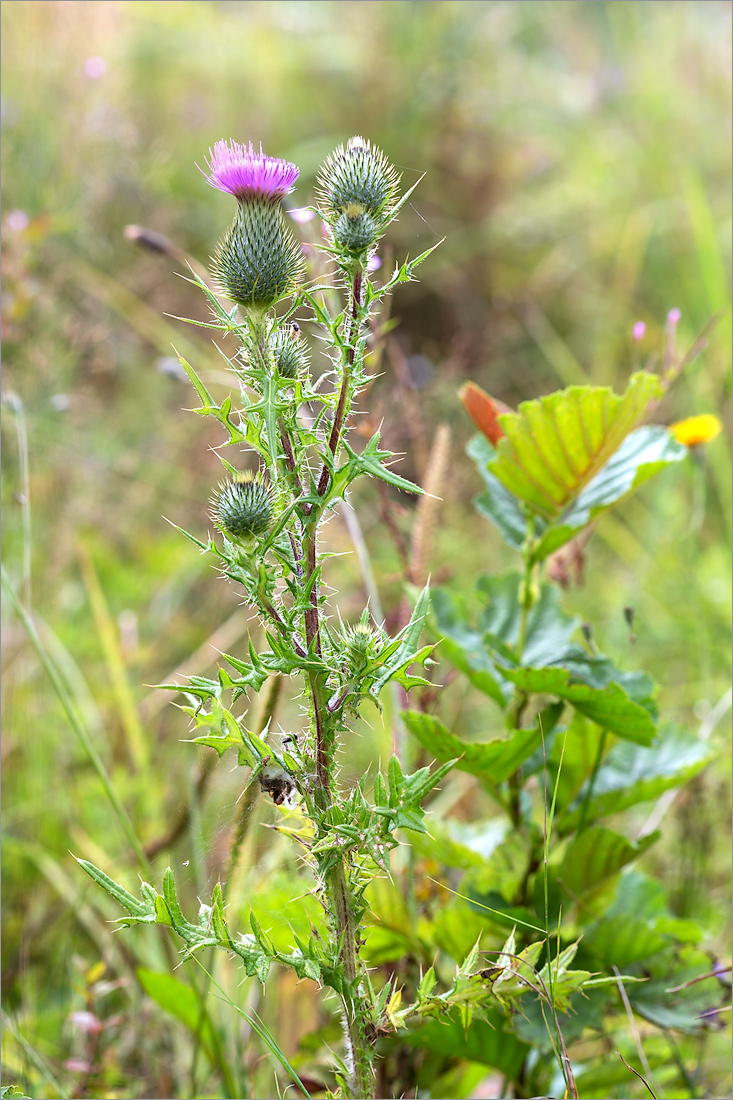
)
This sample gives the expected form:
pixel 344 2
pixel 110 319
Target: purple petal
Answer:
pixel 247 175
pixel 638 331
pixel 673 317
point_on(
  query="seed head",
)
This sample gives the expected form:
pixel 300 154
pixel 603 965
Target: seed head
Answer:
pixel 357 180
pixel 243 507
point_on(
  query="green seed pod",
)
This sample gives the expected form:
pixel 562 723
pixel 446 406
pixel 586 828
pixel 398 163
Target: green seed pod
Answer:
pixel 243 507
pixel 289 351
pixel 358 176
pixel 356 234
pixel 258 261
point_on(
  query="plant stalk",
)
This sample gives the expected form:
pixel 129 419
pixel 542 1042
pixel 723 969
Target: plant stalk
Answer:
pixel 340 414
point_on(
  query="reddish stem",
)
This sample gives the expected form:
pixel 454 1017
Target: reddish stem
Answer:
pixel 338 420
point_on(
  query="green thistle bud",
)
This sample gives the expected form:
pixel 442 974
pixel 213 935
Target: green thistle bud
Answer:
pixel 258 261
pixel 243 507
pixel 362 644
pixel 289 351
pixel 357 180
pixel 355 234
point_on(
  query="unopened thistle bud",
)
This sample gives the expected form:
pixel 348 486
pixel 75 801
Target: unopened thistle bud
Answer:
pixel 357 189
pixel 289 351
pixel 362 644
pixel 243 508
pixel 355 234
pixel 258 261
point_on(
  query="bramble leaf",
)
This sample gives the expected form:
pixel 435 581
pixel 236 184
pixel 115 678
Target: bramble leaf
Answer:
pixel 554 446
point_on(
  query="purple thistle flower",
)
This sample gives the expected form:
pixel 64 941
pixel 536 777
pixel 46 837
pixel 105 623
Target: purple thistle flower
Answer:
pixel 247 175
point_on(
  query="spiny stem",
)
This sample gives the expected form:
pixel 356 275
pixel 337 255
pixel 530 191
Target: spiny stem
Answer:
pixel 340 414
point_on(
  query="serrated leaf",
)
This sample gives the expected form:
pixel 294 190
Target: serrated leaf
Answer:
pixel 642 454
pixel 408 650
pixel 611 707
pixel 371 462
pixel 492 761
pixel 133 906
pixel 554 446
pixel 482 1041
pixel 632 773
pixel 595 855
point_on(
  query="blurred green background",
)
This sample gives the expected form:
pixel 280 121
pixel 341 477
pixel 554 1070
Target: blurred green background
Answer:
pixel 577 160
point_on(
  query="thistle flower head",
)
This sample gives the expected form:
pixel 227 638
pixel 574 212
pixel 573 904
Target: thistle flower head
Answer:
pixel 357 180
pixel 243 507
pixel 248 175
pixel 289 351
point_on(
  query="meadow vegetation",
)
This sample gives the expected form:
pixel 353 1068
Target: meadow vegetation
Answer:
pixel 577 163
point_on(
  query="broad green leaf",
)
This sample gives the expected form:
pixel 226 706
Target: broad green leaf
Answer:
pixel 461 844
pixel 501 874
pixel 642 454
pixel 482 1041
pixel 175 997
pixel 632 773
pixel 611 707
pixel 682 1010
pixel 496 502
pixel 597 854
pixel 475 649
pixel 492 761
pixel 622 939
pixel 463 645
pixel 554 446
pixel 549 628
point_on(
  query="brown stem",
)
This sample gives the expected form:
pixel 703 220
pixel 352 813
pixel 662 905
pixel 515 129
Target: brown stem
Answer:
pixel 338 420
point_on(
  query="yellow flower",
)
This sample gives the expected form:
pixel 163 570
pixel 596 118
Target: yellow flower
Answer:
pixel 696 429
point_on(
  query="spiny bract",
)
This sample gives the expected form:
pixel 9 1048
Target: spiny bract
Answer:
pixel 289 351
pixel 362 644
pixel 258 261
pixel 243 507
pixel 357 180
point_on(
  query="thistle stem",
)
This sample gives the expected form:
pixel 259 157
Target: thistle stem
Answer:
pixel 340 414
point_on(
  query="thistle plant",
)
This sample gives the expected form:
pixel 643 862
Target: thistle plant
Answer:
pixel 268 525
pixel 580 735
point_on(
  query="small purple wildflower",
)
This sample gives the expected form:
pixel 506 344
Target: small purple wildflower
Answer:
pixel 94 67
pixel 374 263
pixel 247 175
pixel 673 317
pixel 17 220
pixel 638 331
